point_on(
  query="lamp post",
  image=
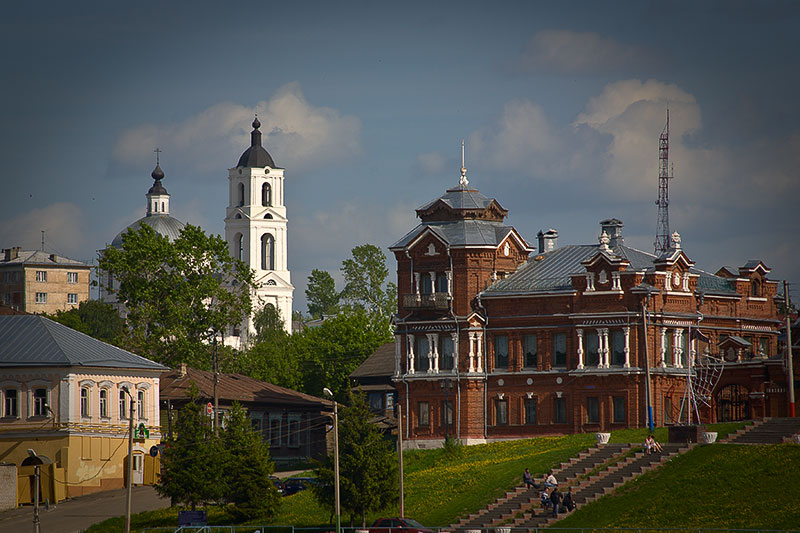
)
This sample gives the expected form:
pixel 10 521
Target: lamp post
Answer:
pixel 36 524
pixel 327 391
pixel 130 463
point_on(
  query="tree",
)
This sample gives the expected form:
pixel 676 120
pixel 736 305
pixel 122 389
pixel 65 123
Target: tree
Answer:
pixel 321 294
pixel 94 318
pixel 367 465
pixel 191 469
pixel 364 275
pixel 268 321
pixel 247 467
pixel 179 296
pixel 268 357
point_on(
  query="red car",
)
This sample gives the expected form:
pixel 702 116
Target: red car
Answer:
pixel 398 525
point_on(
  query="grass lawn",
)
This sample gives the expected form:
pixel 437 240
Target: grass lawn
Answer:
pixel 439 486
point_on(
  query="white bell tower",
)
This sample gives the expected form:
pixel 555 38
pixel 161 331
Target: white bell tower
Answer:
pixel 255 228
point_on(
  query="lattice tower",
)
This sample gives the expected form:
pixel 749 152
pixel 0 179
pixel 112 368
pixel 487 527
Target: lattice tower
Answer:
pixel 662 243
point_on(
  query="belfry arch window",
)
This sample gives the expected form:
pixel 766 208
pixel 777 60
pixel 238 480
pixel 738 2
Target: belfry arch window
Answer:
pixel 266 195
pixel 267 252
pixel 239 243
pixel 241 195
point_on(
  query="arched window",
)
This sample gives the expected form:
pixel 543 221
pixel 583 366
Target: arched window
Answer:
pixel 239 243
pixel 267 252
pixel 104 403
pixel 241 194
pixel 122 400
pixel 755 288
pixel 266 195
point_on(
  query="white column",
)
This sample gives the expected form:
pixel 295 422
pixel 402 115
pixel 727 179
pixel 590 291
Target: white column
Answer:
pixel 580 347
pixel 416 283
pixel 454 336
pixel 410 346
pixel 600 357
pixel 678 350
pixel 397 355
pixel 450 283
pixel 471 352
pixel 627 331
pixel 433 282
pixel 685 282
pixel 606 351
pixel 615 281
pixel 667 281
pixel 692 351
pixel 664 346
pixel 433 350
pixel 590 281
pixel 479 355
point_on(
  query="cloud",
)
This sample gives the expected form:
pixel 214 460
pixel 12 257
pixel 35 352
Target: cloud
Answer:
pixel 432 163
pixel 297 134
pixel 65 228
pixel 569 52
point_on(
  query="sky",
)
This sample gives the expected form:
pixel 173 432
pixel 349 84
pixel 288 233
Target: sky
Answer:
pixel 365 104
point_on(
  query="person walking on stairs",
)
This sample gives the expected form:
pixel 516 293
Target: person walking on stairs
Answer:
pixel 555 498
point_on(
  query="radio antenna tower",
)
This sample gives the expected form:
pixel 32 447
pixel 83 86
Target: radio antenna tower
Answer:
pixel 663 242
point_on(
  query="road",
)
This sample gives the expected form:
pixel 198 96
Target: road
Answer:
pixel 77 514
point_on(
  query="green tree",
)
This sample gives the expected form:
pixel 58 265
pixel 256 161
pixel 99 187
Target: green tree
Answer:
pixel 365 276
pixel 94 318
pixel 268 358
pixel 321 294
pixel 247 467
pixel 180 296
pixel 268 321
pixel 191 468
pixel 367 465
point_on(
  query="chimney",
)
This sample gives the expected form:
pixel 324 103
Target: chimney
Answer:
pixel 12 253
pixel 613 228
pixel 548 240
pixel 182 370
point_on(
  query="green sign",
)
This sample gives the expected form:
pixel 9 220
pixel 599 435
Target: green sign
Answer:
pixel 141 432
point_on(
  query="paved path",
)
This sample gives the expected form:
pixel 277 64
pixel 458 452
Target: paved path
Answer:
pixel 77 514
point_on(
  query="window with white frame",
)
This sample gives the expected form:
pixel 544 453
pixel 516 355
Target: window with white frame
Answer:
pixel 123 400
pixel 104 403
pixel 501 412
pixel 72 298
pixel 41 297
pixel 275 430
pixel 140 404
pixel 40 401
pixel 11 403
pixel 85 402
pixel 41 276
pixel 72 277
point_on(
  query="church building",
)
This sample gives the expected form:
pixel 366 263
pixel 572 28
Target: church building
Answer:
pixel 496 339
pixel 255 229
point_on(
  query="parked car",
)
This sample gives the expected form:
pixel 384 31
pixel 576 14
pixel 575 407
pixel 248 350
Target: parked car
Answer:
pixel 398 525
pixel 294 485
pixel 278 483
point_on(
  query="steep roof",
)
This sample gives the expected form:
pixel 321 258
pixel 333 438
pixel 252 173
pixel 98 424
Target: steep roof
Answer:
pixel 33 340
pixel 175 385
pixel 379 364
pixel 256 156
pixel 460 233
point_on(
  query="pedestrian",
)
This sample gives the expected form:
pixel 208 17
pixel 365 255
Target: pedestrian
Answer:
pixel 527 478
pixel 550 481
pixel 568 503
pixel 555 499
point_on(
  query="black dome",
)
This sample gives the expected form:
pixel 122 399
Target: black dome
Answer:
pixel 157 188
pixel 256 155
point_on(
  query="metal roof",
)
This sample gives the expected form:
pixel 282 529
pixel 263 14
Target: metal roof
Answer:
pixel 379 364
pixel 468 232
pixel 461 197
pixel 38 257
pixel 33 340
pixel 256 156
pixel 165 225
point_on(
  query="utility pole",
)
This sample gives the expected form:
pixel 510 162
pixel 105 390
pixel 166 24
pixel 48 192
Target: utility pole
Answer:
pixel 400 453
pixel 130 464
pixel 789 359
pixel 216 396
pixel 327 391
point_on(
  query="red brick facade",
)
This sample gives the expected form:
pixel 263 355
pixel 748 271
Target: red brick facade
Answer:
pixel 557 343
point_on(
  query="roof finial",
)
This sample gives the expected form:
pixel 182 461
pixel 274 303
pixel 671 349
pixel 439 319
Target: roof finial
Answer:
pixel 158 153
pixel 463 180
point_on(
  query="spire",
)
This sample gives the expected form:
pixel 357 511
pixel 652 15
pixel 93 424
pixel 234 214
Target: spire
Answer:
pixel 256 156
pixel 157 196
pixel 463 181
pixel 255 135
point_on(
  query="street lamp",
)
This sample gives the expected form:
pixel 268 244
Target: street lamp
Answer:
pixel 130 463
pixel 328 392
pixel 36 525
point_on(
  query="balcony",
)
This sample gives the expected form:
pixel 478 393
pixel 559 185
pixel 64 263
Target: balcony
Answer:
pixel 439 301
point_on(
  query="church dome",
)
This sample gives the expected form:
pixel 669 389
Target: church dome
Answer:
pixel 164 225
pixel 256 156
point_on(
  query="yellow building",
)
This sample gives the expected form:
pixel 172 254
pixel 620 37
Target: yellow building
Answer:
pixel 40 282
pixel 68 397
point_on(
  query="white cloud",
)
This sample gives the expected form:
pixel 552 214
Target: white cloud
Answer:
pixel 297 134
pixel 431 163
pixel 65 228
pixel 569 52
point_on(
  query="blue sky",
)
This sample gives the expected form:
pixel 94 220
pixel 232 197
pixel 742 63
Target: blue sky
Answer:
pixel 365 105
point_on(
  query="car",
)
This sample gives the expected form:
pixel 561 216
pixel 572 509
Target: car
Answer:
pixel 278 483
pixel 294 485
pixel 398 525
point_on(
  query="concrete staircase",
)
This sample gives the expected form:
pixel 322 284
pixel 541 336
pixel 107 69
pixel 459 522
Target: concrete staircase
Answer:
pixel 767 431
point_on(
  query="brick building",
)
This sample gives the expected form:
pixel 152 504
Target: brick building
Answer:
pixel 493 342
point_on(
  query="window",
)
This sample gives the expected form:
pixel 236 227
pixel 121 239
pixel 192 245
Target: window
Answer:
pixel 72 298
pixel 447 414
pixel 592 410
pixel 446 352
pixel 241 195
pixel 667 410
pixel 441 282
pixel 531 351
pixel 501 352
pixel 684 351
pixel 763 347
pixel 501 412
pixel 422 361
pixel 275 430
pixel 255 424
pixel 72 277
pixel 41 297
pixel 266 195
pixel 85 402
pixel 424 413
pixel 669 348
pixel 560 411
pixel 592 348
pixel 294 431
pixel 123 399
pixel 617 348
pixel 267 252
pixel 140 404
pixel 425 284
pixel 11 403
pixel 530 410
pixel 375 401
pixel 40 402
pixel 41 276
pixel 104 403
pixel 619 409
pixel 560 349
pixel 239 243
pixel 7 298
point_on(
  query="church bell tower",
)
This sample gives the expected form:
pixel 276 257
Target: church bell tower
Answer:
pixel 255 227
